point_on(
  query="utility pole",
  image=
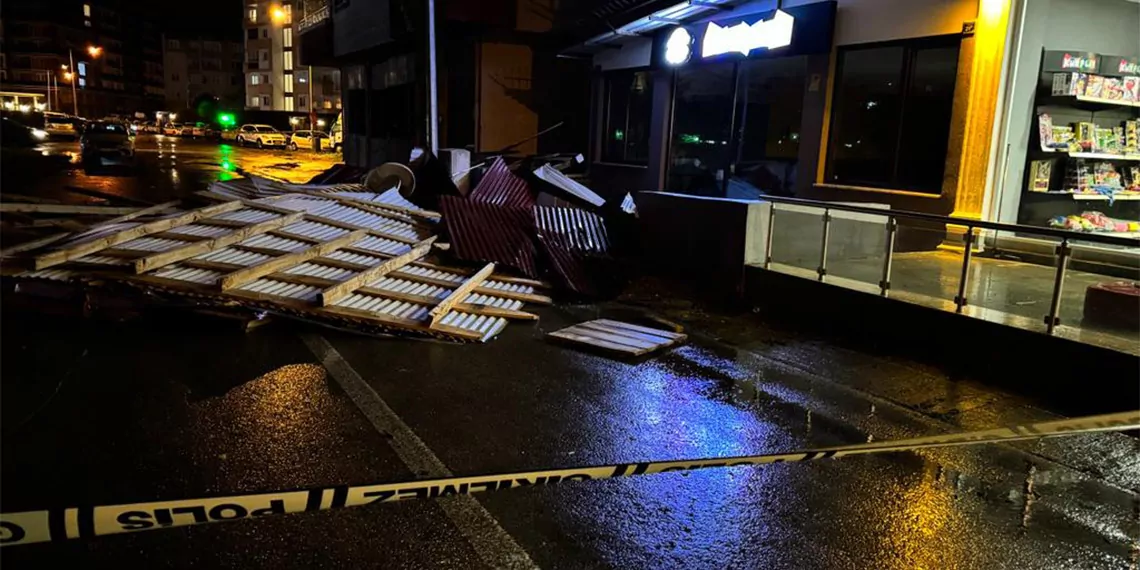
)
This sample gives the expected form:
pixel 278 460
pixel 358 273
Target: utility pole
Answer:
pixel 74 80
pixel 48 94
pixel 433 95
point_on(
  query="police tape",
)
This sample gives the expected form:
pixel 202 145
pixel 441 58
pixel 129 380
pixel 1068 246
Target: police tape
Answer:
pixel 81 522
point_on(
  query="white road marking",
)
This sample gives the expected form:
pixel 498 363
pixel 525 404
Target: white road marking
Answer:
pixel 491 542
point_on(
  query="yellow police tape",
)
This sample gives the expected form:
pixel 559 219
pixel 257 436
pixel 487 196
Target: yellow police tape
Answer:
pixel 77 522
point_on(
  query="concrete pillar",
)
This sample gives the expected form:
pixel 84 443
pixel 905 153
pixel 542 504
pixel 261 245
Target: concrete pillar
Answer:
pixel 985 50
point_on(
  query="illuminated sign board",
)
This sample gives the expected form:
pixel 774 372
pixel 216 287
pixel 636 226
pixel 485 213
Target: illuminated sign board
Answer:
pixel 775 32
pixel 797 30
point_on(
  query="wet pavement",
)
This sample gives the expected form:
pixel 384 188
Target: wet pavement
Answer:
pixel 167 408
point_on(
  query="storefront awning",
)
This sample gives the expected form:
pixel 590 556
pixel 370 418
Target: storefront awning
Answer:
pixel 672 15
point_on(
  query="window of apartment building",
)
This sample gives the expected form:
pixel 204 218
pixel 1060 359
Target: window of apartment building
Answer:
pixel 890 125
pixel 264 33
pixel 173 45
pixel 302 77
pixel 288 13
pixel 288 83
pixel 265 100
pixel 251 34
pixel 87 23
pixel 86 10
pixel 265 78
pixel 253 14
pixel 302 101
pixel 254 101
pixel 288 59
pixel 255 79
pixel 174 77
pixel 628 102
pixel 263 55
pixel 287 37
pixel 212 46
pixel 328 103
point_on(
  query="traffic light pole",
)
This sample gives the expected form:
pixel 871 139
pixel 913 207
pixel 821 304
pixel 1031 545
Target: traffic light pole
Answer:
pixel 313 114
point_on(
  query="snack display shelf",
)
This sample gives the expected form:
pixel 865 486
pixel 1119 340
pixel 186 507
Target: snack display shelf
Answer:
pixel 1096 155
pixel 1085 101
pixel 1089 196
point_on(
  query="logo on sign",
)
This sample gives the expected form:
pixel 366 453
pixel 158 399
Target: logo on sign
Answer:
pixel 743 38
pixel 1129 67
pixel 1071 61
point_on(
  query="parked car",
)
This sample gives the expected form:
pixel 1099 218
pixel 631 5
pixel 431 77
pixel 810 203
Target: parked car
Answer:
pixel 261 135
pixel 303 140
pixel 229 134
pixel 60 125
pixel 187 130
pixel 172 129
pixel 106 140
pixel 199 131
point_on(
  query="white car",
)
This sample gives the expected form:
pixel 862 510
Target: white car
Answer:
pixel 261 135
pixel 303 140
pixel 172 129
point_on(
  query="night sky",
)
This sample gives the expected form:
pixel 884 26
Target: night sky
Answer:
pixel 211 18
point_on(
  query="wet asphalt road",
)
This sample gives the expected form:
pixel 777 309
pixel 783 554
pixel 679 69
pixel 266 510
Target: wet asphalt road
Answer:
pixel 166 408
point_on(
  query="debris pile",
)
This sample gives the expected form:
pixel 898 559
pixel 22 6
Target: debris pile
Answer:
pixel 333 254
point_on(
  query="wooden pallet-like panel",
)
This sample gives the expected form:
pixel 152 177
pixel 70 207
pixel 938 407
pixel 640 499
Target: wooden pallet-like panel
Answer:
pixel 618 337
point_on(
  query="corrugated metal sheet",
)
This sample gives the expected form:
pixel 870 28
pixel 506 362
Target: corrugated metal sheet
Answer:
pixel 500 186
pixel 277 292
pixel 559 180
pixel 486 231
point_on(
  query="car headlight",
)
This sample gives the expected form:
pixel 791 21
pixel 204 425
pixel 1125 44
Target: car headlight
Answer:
pixel 39 134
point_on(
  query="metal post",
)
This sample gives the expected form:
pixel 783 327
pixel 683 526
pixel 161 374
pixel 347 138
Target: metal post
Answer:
pixel 47 96
pixel 822 271
pixel 885 282
pixel 313 115
pixel 433 94
pixel 768 238
pixel 960 299
pixel 1053 318
pixel 74 80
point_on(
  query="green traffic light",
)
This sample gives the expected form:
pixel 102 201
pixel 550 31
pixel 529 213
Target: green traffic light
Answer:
pixel 226 119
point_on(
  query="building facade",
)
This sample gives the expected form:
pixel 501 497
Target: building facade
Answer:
pixel 115 49
pixel 197 67
pixel 274 79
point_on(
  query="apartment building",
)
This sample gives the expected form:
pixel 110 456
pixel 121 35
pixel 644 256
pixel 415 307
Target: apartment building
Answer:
pixel 274 78
pixel 203 66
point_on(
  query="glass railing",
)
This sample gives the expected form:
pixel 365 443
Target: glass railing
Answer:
pixel 1084 286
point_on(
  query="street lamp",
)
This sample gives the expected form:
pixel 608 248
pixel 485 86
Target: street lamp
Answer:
pixel 93 51
pixel 278 14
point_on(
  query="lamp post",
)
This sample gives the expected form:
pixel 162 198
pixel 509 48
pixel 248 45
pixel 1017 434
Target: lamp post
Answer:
pixel 94 52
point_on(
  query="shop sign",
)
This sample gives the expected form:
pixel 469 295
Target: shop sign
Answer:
pixel 798 30
pixel 1117 66
pixel 1071 61
pixel 775 32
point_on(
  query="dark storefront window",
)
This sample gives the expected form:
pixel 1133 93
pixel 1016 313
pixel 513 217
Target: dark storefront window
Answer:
pixel 702 126
pixel 771 97
pixel 628 107
pixel 891 114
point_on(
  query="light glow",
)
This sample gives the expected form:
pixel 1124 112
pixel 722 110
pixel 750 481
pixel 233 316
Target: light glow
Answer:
pixel 743 38
pixel 678 47
pixel 39 134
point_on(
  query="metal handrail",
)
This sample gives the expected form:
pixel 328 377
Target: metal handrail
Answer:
pixel 999 226
pixel 1063 251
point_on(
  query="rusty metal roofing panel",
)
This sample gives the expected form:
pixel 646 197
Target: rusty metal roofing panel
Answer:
pixel 500 186
pixel 482 231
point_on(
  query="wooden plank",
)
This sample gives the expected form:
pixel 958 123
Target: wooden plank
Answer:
pixel 289 260
pixel 667 338
pixel 644 329
pixel 164 258
pixel 576 338
pixel 460 293
pixel 79 250
pixel 156 209
pixel 33 244
pixel 29 199
pixel 632 339
pixel 65 209
pixel 341 290
pixel 108 196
